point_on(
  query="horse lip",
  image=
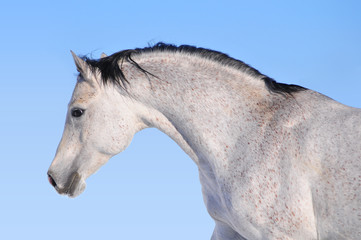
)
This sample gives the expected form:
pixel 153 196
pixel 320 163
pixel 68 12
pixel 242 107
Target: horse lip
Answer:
pixel 71 185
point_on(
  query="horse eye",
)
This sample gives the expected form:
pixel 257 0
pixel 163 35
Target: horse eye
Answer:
pixel 77 112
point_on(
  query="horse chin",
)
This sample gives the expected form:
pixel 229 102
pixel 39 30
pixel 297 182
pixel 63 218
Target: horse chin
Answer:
pixel 76 189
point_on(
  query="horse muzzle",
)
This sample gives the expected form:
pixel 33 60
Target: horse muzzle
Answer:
pixel 73 186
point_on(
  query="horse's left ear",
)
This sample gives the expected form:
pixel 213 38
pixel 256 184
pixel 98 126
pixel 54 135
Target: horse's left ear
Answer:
pixel 81 65
pixel 103 55
pixel 85 70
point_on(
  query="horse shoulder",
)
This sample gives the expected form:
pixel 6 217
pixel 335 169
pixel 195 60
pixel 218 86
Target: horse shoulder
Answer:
pixel 332 156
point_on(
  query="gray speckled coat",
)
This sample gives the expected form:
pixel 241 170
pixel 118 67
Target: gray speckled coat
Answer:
pixel 272 166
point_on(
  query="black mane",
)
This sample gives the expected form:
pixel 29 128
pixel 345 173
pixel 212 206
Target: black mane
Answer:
pixel 110 67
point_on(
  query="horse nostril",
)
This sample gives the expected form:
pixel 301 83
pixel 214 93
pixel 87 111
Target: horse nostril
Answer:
pixel 51 180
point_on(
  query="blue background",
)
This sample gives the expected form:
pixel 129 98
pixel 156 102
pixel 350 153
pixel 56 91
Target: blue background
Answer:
pixel 151 190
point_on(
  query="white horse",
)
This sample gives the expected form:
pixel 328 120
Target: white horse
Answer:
pixel 275 161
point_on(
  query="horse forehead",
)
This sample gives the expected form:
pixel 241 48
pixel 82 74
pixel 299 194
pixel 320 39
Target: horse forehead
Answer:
pixel 83 92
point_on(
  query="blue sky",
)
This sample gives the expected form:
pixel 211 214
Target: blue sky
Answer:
pixel 150 191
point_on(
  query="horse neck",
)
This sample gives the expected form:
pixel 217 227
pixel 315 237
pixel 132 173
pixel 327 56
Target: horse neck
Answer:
pixel 204 106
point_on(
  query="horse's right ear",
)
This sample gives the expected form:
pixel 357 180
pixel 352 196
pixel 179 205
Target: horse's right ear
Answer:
pixel 81 65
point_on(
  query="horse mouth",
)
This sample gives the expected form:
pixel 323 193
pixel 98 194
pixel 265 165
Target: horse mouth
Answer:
pixel 73 187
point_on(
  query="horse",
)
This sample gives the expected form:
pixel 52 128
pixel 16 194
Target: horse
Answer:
pixel 275 160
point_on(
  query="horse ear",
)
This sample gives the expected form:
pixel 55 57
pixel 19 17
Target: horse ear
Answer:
pixel 85 70
pixel 81 65
pixel 103 55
